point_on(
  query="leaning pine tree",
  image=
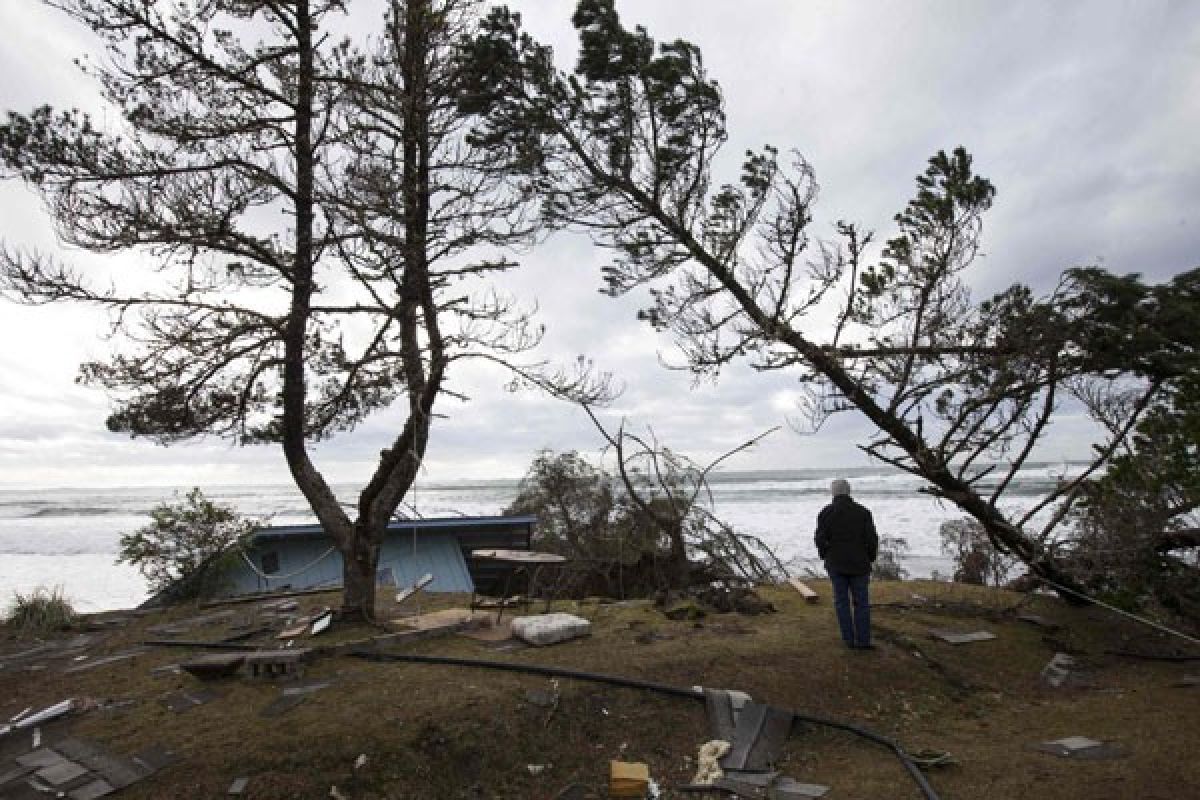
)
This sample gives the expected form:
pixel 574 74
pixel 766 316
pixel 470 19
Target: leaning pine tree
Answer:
pixel 959 392
pixel 310 216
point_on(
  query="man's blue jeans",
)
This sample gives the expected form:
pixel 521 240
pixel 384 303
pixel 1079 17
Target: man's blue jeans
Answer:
pixel 853 606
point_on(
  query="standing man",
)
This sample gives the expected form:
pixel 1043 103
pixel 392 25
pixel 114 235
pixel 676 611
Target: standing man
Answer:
pixel 847 543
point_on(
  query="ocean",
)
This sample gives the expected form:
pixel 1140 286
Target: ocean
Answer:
pixel 69 538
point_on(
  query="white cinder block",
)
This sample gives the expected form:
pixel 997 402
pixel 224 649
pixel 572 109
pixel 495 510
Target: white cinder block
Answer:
pixel 543 629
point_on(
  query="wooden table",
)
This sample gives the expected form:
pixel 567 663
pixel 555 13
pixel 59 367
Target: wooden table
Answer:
pixel 528 563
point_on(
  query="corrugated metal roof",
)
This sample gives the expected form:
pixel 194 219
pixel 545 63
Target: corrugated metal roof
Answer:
pixel 463 524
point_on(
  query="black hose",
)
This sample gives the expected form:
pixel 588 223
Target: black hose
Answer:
pixel 633 683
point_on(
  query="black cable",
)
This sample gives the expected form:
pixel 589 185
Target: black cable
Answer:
pixel 632 683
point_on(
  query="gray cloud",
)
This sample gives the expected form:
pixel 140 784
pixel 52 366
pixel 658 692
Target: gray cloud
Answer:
pixel 1082 114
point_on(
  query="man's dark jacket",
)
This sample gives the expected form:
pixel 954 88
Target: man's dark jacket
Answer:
pixel 846 537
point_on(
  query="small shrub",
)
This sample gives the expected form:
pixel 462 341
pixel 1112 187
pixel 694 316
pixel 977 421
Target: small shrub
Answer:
pixel 887 562
pixel 184 546
pixel 40 612
pixel 976 559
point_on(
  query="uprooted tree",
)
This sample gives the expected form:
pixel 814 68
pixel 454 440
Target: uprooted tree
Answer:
pixel 1139 524
pixel 310 219
pixel 648 529
pixel 960 392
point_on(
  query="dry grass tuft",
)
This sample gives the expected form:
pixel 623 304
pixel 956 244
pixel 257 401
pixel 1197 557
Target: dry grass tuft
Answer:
pixel 41 612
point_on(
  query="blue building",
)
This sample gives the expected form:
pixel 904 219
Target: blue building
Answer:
pixel 290 557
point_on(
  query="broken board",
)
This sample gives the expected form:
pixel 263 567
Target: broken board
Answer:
pixel 959 637
pixel 805 591
pixel 1081 748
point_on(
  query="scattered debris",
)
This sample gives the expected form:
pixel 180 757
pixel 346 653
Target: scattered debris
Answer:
pixel 1082 748
pixel 179 626
pixel 535 769
pixel 297 629
pixel 238 786
pixel 932 759
pixel 728 596
pixel 956 637
pixel 684 610
pixel 277 663
pixel 790 789
pixel 361 761
pixel 259 596
pixel 722 708
pixel 1154 656
pixel 1039 621
pixel 491 631
pixel 758 737
pixel 541 698
pixel 282 704
pixel 418 585
pixel 55 711
pixel 188 699
pixel 154 758
pixel 81 770
pixel 546 629
pixel 100 662
pixel 322 622
pixel 807 593
pixel 628 779
pixel 746 783
pixel 214 665
pixel 1057 672
pixel 708 770
pixel 307 688
pixel 444 619
pixel 336 794
pixel 1187 682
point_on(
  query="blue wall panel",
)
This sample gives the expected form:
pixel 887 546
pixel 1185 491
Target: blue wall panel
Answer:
pixel 305 563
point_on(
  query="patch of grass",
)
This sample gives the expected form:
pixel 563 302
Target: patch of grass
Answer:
pixel 40 612
pixel 453 733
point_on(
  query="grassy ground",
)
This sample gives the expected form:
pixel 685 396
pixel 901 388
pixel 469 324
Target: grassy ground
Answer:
pixel 444 732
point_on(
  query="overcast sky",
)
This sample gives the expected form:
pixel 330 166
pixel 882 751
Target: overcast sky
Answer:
pixel 1083 114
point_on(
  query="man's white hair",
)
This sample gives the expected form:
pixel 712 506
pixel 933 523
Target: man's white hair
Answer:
pixel 840 486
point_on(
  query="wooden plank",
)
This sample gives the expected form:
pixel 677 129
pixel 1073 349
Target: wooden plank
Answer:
pixel 518 556
pixel 807 593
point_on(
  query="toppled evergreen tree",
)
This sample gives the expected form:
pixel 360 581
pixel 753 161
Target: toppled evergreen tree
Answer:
pixel 960 392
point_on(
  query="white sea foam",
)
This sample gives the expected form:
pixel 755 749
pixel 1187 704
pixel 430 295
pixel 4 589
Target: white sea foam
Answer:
pixel 70 537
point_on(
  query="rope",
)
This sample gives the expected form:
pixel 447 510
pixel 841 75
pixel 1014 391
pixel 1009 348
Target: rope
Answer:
pixel 1122 612
pixel 277 577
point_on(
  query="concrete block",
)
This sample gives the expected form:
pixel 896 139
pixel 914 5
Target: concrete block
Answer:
pixel 545 629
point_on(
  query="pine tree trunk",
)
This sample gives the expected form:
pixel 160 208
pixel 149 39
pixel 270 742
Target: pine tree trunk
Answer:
pixel 358 576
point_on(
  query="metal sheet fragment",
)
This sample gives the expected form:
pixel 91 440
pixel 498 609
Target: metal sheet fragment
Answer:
pixel 749 726
pixel 719 708
pixel 92 791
